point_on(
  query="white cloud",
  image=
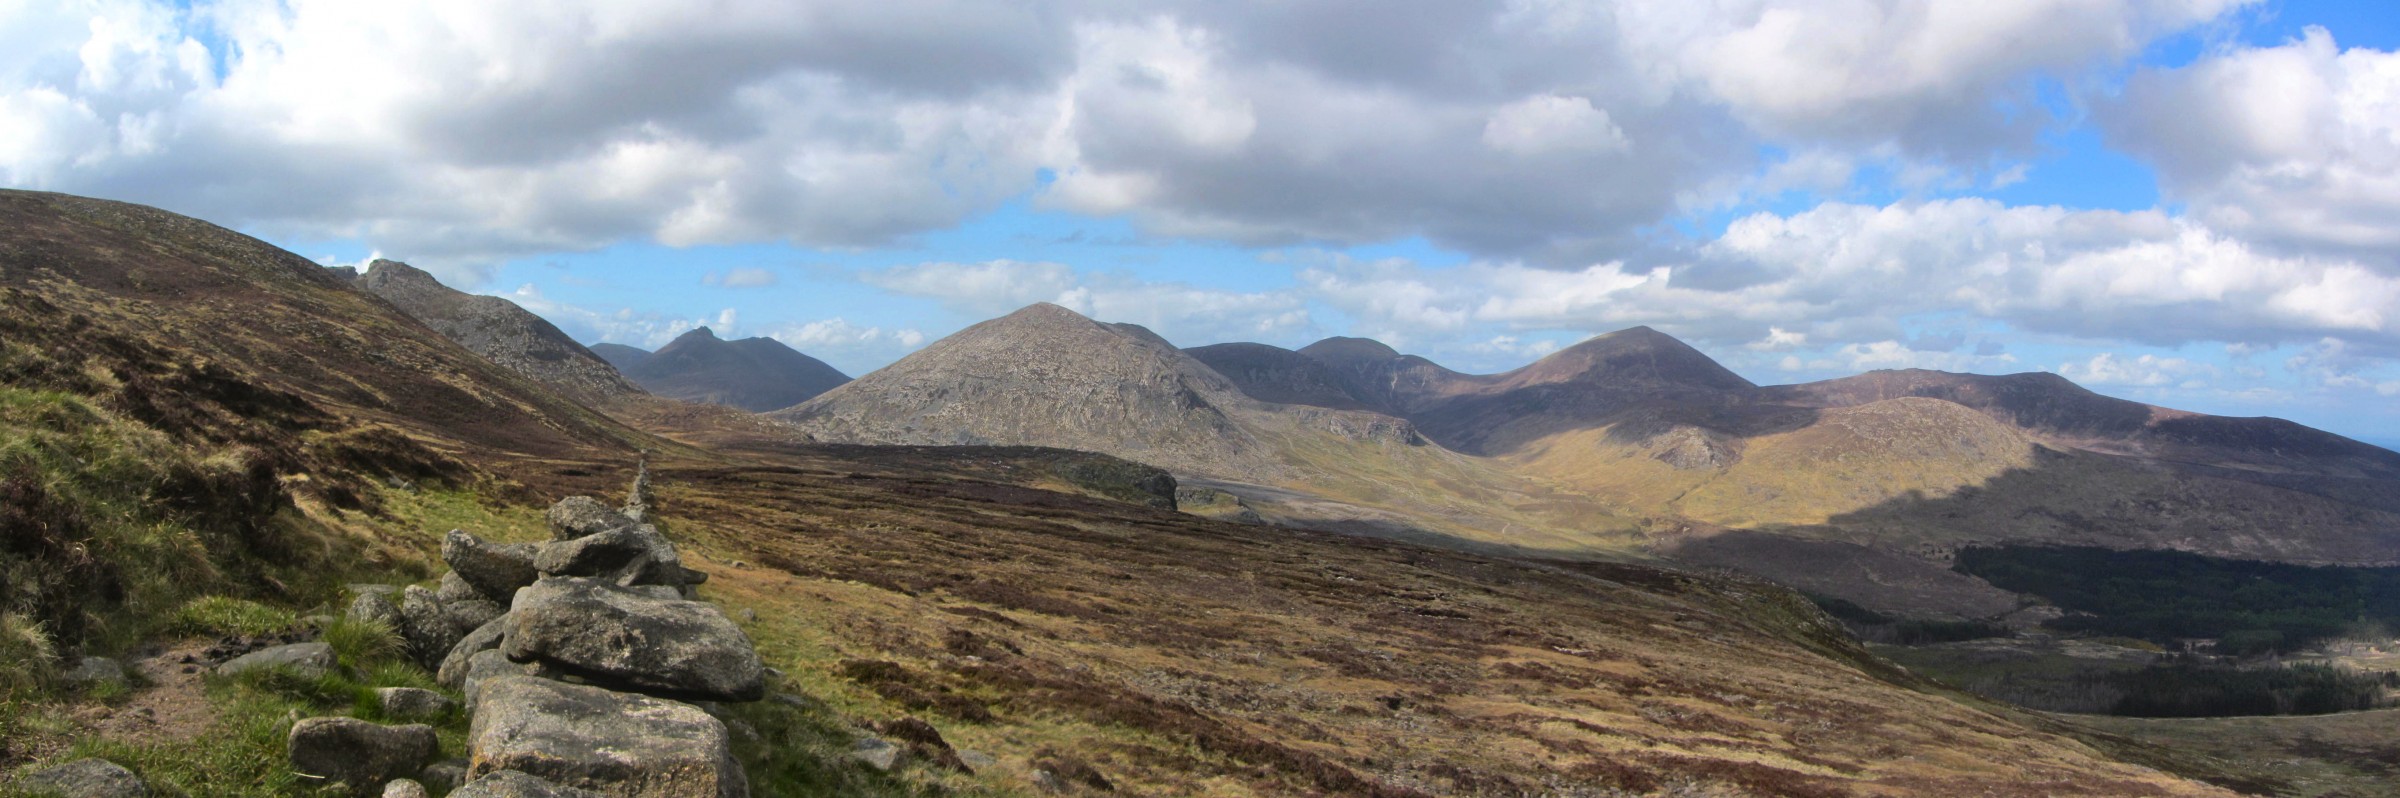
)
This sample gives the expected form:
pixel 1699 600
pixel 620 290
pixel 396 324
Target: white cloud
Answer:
pixel 2106 368
pixel 1936 78
pixel 460 135
pixel 1549 123
pixel 2296 145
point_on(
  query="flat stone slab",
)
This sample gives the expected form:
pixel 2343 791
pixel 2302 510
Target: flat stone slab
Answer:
pixel 615 744
pixel 359 754
pixel 308 660
pixel 622 637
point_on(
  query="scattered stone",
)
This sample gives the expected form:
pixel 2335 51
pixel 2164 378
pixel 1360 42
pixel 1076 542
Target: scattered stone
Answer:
pixel 455 589
pixel 877 752
pixel 357 753
pixel 453 673
pixel 388 592
pixel 578 516
pixel 404 788
pixel 977 760
pixel 494 569
pixel 444 776
pixel 94 670
pixel 513 784
pixel 306 660
pixel 612 635
pixel 410 703
pixel 84 778
pixel 621 744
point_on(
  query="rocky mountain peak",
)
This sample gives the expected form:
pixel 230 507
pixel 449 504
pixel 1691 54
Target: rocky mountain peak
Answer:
pixel 498 330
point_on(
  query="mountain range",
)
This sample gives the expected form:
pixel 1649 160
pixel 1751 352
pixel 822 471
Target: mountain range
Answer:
pixel 754 374
pixel 196 419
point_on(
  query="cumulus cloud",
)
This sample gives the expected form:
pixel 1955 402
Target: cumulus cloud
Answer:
pixel 2296 145
pixel 464 135
pixel 2107 368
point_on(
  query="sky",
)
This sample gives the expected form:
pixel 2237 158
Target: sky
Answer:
pixel 2193 203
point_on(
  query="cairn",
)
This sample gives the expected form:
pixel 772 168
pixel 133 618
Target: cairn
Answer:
pixel 585 662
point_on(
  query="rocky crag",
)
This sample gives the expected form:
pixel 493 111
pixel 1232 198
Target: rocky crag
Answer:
pixel 498 330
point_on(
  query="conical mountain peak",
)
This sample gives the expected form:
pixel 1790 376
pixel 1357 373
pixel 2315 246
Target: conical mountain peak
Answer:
pixel 1632 356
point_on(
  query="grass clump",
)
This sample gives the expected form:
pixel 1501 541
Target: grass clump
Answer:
pixel 225 615
pixel 364 643
pixel 27 658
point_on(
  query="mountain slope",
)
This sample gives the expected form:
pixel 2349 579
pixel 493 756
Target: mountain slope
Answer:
pixel 499 331
pixel 257 321
pixel 1278 375
pixel 625 358
pixel 754 374
pixel 1046 376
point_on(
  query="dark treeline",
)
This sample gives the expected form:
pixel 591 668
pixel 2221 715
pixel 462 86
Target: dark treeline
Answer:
pixel 1876 627
pixel 2248 607
pixel 2201 690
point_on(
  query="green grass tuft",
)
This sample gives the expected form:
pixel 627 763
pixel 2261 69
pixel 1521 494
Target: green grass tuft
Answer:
pixel 224 615
pixel 362 643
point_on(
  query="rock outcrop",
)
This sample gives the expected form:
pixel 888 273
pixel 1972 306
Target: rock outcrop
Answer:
pixel 498 330
pixel 576 683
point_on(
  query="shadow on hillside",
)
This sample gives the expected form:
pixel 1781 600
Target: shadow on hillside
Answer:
pixel 1895 555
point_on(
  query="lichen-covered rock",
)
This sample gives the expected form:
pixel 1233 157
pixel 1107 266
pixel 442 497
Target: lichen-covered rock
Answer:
pixel 489 664
pixel 578 516
pixel 620 637
pixel 467 616
pixel 512 784
pixel 635 554
pixel 404 788
pixel 359 754
pixel 306 660
pixel 426 628
pixel 84 778
pixel 454 588
pixel 617 744
pixel 495 570
pixel 453 672
pixel 377 607
pixel 410 703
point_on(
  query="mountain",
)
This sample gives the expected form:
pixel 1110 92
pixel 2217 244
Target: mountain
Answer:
pixel 1278 375
pixel 625 358
pixel 499 330
pixel 1047 376
pixel 754 374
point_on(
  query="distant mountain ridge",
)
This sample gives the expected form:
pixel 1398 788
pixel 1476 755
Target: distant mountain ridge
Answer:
pixel 499 330
pixel 754 374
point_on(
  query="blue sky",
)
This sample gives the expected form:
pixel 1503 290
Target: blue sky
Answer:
pixel 2178 201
